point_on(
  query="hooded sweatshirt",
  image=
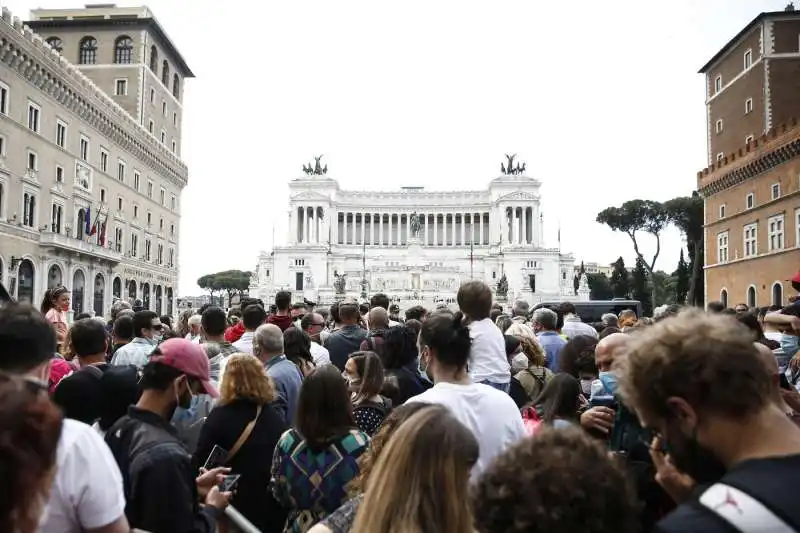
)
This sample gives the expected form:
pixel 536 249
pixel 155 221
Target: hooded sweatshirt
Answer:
pixel 282 321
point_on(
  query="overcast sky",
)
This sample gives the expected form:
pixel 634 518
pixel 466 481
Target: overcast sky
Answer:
pixel 602 99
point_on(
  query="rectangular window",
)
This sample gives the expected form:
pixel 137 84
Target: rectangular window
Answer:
pixel 152 96
pixel 147 250
pixel 750 202
pixel 84 148
pixel 121 171
pixel 59 174
pixel 136 211
pixel 2 146
pixel 776 191
pixel 775 232
pixel 134 245
pixel 163 137
pixel 61 134
pixel 174 147
pixel 164 108
pixel 5 95
pixel 150 189
pixel 175 119
pixel 55 220
pixel 103 160
pixel 748 59
pixel 118 239
pixel 33 161
pixel 119 204
pixel 748 139
pixel 149 218
pixel 172 230
pixel 718 126
pixel 750 240
pixel 150 126
pixel 722 211
pixel 717 84
pixel 136 179
pixel 121 87
pixel 173 203
pixel 33 117
pixel 162 194
pixel 161 224
pixel 748 106
pixel 722 247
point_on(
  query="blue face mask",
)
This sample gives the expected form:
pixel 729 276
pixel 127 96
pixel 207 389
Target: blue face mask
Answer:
pixel 789 344
pixel 609 381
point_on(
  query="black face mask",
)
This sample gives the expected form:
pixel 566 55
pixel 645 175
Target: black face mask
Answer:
pixel 692 458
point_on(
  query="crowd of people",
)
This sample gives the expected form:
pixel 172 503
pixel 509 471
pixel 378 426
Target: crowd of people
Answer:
pixel 353 418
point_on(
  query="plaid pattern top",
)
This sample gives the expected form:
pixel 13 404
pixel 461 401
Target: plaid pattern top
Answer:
pixel 311 484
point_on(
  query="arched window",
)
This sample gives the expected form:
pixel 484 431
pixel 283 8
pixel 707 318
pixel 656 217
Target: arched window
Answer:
pixel 154 59
pixel 751 296
pixel 123 50
pixel 54 277
pixel 99 293
pixel 165 73
pixel 176 86
pixel 87 51
pixel 723 297
pixel 81 223
pixel 169 300
pixel 26 279
pixel 78 286
pixel 158 295
pixel 146 296
pixel 56 43
pixel 132 290
pixel 777 294
pixel 116 288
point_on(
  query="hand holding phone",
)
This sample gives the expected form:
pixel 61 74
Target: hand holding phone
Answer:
pixel 228 483
pixel 216 457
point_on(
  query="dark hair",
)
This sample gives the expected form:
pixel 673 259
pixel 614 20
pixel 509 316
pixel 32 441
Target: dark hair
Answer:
pixel 299 305
pixel 166 319
pixel 494 313
pixel 203 308
pixel 334 312
pixel 283 299
pixel 475 299
pixel 370 370
pixel 88 337
pixel 363 309
pixel 416 313
pixel 512 343
pixel 729 312
pixel 253 316
pixel 567 308
pixel 348 311
pixel 324 413
pixel 608 331
pixel 750 321
pixel 31 428
pixel 214 321
pixel 297 346
pixel 448 338
pixel 158 376
pixel 414 325
pixel 399 347
pixel 142 320
pixel 26 337
pixel 123 328
pixel 83 316
pixel 559 480
pixel 379 300
pixel 559 398
pixel 574 350
pixel 50 296
pixel 715 307
pixel 170 334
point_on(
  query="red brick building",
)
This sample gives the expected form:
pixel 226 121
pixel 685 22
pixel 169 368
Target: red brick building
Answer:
pixel 752 185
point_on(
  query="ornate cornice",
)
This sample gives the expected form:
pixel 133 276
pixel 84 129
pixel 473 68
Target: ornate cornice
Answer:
pixel 32 58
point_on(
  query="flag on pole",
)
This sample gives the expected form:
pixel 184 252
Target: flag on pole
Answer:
pixel 101 240
pixel 88 228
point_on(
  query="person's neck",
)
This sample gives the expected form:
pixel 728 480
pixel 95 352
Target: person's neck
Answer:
pixel 456 376
pixel 158 403
pixel 148 339
pixel 267 357
pixel 282 312
pixel 348 324
pixel 769 433
pixel 87 360
pixel 215 338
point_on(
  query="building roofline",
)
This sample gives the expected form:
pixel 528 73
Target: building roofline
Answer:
pixel 753 23
pixel 150 23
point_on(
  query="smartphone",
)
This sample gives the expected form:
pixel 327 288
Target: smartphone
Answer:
pixel 216 457
pixel 603 401
pixel 228 483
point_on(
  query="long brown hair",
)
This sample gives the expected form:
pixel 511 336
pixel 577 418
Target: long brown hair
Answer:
pixel 428 461
pixel 50 297
pixel 324 413
pixel 370 370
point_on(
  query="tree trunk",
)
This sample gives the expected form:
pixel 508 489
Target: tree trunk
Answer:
pixel 693 298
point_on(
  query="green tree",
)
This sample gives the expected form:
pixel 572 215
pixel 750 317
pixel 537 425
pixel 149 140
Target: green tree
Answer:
pixel 229 281
pixel 664 286
pixel 634 216
pixel 599 287
pixel 686 214
pixel 682 275
pixel 620 279
pixel 640 289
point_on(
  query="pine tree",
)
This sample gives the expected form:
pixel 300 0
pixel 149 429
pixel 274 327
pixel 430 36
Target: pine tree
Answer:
pixel 620 279
pixel 683 278
pixel 641 288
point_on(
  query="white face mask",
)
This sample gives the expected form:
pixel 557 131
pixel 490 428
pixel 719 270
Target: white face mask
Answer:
pixel 586 386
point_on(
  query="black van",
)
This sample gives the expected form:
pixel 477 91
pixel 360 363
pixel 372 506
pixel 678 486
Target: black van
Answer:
pixel 591 311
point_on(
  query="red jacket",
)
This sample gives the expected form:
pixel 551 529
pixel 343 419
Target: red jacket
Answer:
pixel 282 321
pixel 234 333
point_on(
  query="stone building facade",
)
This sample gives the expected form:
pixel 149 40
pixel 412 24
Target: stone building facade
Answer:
pixel 751 188
pixel 89 191
pixel 415 245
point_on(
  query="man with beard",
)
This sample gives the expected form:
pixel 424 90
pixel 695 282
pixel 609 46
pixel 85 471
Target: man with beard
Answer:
pixel 697 382
pixel 160 489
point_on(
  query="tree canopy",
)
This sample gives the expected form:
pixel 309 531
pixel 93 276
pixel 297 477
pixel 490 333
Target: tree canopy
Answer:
pixel 230 281
pixel 599 287
pixel 620 279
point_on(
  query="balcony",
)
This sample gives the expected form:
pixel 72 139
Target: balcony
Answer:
pixel 78 246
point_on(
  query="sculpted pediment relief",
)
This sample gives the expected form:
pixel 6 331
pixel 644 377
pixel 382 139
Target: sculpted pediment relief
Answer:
pixel 310 195
pixel 518 196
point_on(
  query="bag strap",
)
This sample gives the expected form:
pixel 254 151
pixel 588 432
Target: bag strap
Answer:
pixel 742 511
pixel 248 429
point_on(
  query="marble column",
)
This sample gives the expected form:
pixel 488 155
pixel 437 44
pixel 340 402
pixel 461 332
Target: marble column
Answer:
pixel 435 229
pixel 363 228
pixel 380 230
pixel 524 225
pixel 391 227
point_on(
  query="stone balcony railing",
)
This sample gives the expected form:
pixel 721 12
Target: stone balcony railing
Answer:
pixel 79 246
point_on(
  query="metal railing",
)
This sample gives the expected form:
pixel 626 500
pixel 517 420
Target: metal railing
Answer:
pixel 239 523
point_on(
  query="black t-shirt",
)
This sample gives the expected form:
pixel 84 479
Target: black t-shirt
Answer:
pixel 90 396
pixel 770 481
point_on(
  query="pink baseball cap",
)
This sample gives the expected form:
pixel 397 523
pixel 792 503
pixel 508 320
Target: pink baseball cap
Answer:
pixel 188 357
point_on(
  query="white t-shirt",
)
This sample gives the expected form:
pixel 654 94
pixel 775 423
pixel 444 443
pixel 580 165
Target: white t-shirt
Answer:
pixel 320 354
pixel 490 414
pixel 487 357
pixel 87 490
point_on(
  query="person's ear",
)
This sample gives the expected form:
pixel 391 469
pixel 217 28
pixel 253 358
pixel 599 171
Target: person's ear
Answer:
pixel 682 412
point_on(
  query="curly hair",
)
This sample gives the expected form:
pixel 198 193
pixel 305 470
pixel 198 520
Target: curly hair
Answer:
pixel 246 379
pixel 559 480
pixel 30 427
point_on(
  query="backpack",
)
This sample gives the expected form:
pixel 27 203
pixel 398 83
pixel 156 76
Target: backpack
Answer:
pixel 541 381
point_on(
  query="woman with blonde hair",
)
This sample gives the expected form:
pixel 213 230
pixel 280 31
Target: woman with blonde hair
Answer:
pixel 428 461
pixel 534 378
pixel 247 426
